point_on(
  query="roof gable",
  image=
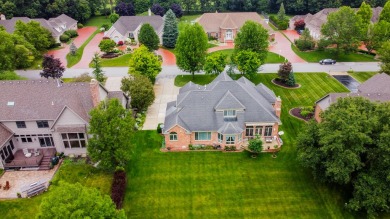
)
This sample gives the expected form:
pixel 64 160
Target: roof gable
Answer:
pixel 229 101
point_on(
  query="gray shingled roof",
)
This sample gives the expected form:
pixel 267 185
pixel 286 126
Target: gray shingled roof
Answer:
pixel 43 99
pixel 379 83
pixel 195 108
pixel 130 23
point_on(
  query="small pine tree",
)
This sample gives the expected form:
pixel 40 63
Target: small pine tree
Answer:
pixel 291 80
pixel 148 37
pixel 281 13
pixel 170 32
pixel 73 49
pixel 97 68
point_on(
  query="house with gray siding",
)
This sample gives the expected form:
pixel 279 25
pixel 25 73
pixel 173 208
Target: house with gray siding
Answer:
pixel 41 117
pixel 224 113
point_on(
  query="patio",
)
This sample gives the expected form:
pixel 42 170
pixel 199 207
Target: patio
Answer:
pixel 36 160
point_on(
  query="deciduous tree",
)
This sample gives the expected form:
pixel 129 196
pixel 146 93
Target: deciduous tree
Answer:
pixel 215 63
pixel 114 17
pixel 284 70
pixel 253 37
pixel 170 31
pixel 248 62
pixel 145 63
pixel 176 8
pixel 140 89
pixel 157 9
pixel 107 45
pixel 255 145
pixel 111 129
pixel 191 48
pixel 385 13
pixel 76 201
pixel 125 9
pixel 35 34
pixel 148 37
pixel 97 68
pixel 384 57
pixel 52 67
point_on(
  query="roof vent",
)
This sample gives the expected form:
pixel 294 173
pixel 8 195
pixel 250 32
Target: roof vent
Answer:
pixel 10 103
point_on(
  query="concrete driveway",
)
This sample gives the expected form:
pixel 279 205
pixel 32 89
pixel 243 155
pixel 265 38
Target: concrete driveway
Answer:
pixel 165 91
pixel 89 51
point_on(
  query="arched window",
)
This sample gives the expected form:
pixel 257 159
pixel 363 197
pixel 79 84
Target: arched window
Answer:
pixel 173 136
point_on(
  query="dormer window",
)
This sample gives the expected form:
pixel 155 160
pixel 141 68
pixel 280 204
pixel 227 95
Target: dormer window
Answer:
pixel 229 115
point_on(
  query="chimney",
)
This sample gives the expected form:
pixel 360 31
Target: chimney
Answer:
pixel 2 17
pixel 278 106
pixel 149 12
pixel 94 87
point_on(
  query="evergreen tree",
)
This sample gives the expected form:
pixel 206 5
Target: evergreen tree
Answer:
pixel 281 13
pixel 97 68
pixel 170 32
pixel 148 37
pixel 291 80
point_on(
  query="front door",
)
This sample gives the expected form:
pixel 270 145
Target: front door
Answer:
pixel 229 35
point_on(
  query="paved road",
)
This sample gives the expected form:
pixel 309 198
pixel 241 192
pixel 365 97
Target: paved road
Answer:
pixel 267 68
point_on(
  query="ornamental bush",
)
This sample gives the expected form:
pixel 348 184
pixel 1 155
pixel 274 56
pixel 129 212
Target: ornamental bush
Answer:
pixel 64 38
pixel 299 25
pixel 80 25
pixel 71 33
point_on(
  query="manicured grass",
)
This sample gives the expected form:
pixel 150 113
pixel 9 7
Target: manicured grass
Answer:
pixel 71 172
pixel 271 58
pixel 363 76
pixel 96 21
pixel 316 56
pixel 121 61
pixel 233 185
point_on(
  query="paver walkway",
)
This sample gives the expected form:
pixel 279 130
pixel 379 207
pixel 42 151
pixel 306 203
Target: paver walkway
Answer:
pixel 283 47
pixel 84 33
pixel 168 57
pixel 89 51
pixel 165 91
pixel 221 47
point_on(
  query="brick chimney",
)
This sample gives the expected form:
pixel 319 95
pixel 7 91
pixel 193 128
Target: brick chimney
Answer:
pixel 94 87
pixel 278 106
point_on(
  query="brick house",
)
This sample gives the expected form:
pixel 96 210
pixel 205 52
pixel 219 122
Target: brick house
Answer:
pixel 223 113
pixel 41 117
pixel 224 26
pixel 376 89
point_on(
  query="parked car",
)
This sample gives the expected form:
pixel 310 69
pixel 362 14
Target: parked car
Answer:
pixel 328 62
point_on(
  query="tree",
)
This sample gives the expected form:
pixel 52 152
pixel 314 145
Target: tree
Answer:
pixel 170 31
pixel 248 62
pixel 384 57
pixel 52 67
pixel 81 202
pixel 253 37
pixel 215 63
pixel 111 127
pixel 23 57
pixel 107 45
pixel 140 89
pixel 284 70
pixel 365 13
pixel 350 148
pixel 176 8
pixel 114 17
pixel 141 6
pixel 97 68
pixel 291 79
pixel 157 9
pixel 385 13
pixel 145 63
pixel 255 145
pixel 281 13
pixel 35 34
pixel 338 29
pixel 148 37
pixel 305 41
pixel 73 49
pixel 191 49
pixel 8 9
pixel 124 9
pixel 7 51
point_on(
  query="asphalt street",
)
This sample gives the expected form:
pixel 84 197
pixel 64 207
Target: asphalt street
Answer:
pixel 171 71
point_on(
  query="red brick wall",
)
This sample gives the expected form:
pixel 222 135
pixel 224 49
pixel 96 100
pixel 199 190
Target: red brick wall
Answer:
pixel 278 106
pixel 183 139
pixel 94 87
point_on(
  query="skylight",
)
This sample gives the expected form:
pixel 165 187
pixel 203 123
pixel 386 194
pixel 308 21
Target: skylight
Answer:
pixel 10 103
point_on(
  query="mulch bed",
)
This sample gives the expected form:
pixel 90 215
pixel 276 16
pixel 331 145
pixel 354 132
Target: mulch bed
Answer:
pixel 296 112
pixel 281 83
pixel 110 55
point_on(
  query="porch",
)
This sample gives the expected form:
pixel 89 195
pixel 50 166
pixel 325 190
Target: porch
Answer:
pixel 39 160
pixel 269 143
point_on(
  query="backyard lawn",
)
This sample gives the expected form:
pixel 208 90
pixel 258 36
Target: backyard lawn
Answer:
pixel 363 76
pixel 271 58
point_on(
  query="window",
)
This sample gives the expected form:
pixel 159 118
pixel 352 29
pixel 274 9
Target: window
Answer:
pixel 173 136
pixel 268 131
pixel 220 138
pixel 43 124
pixel 249 131
pixel 21 124
pixel 259 130
pixel 25 138
pixel 46 141
pixel 202 136
pixel 230 139
pixel 74 140
pixel 229 113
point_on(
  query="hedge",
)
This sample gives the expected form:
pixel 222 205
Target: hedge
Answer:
pixel 64 38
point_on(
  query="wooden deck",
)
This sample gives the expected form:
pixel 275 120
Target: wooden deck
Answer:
pixel 21 161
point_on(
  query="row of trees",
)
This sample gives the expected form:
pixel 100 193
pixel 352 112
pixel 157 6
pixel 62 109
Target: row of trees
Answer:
pixel 20 49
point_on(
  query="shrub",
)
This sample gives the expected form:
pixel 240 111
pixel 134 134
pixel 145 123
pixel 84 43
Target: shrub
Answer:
pixel 159 129
pixel 105 26
pixel 299 24
pixel 64 38
pixel 281 25
pixel 120 43
pixel 80 25
pixel 71 33
pixel 230 148
pixel 118 187
pixel 9 75
pixel 322 44
pixel 304 45
pixel 82 78
pixel 306 111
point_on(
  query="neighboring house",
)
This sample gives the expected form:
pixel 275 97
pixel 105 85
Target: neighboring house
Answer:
pixel 57 26
pixel 223 113
pixel 224 26
pixel 376 89
pixel 129 27
pixel 40 116
pixel 314 22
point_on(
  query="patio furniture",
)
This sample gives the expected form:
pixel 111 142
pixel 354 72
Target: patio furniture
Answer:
pixel 36 152
pixel 7 186
pixel 26 153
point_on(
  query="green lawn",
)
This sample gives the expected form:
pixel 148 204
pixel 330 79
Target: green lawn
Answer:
pixel 271 58
pixel 96 21
pixel 233 185
pixel 362 76
pixel 315 56
pixel 121 61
